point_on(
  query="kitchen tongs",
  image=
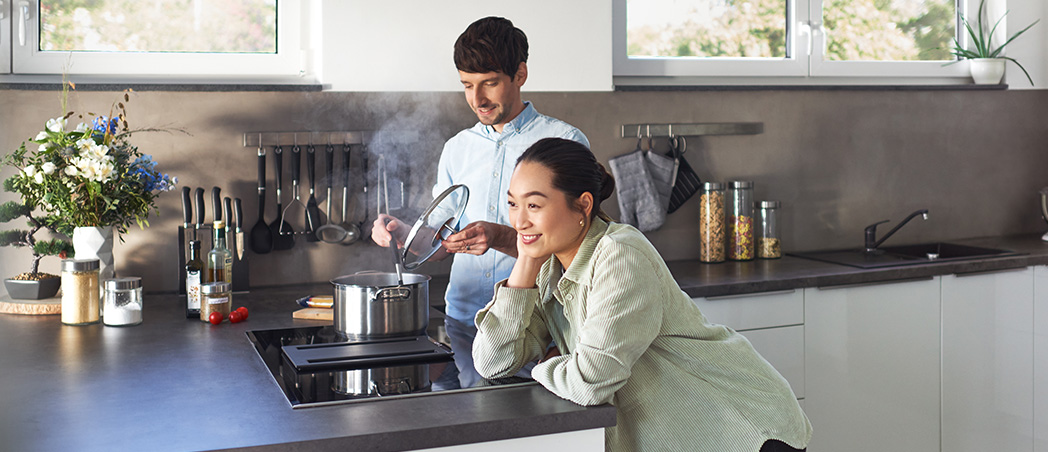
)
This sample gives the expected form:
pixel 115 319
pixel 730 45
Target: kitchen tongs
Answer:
pixel 296 163
pixel 393 240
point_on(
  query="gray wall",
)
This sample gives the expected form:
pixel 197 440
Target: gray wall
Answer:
pixel 838 160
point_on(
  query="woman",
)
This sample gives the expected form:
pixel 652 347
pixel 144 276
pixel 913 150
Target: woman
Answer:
pixel 624 331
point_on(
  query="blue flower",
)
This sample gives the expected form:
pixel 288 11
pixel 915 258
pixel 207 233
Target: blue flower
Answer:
pixel 100 123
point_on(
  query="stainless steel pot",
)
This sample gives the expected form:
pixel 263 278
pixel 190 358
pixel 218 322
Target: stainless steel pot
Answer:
pixel 372 305
pixel 383 381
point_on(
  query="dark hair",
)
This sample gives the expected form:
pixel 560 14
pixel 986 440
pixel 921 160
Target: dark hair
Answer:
pixel 491 44
pixel 575 170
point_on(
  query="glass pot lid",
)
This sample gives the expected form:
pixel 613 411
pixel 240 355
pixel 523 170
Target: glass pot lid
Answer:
pixel 436 223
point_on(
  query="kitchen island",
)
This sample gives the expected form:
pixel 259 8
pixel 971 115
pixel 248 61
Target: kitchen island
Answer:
pixel 173 383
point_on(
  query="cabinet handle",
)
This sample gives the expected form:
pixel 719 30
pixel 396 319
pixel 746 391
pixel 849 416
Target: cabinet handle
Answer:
pixel 990 272
pixel 876 283
pixel 755 294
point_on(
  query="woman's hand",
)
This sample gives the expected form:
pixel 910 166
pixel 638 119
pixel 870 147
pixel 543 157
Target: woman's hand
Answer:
pixel 479 236
pixel 526 269
pixel 552 352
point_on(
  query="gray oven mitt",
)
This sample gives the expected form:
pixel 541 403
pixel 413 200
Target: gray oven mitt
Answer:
pixel 642 184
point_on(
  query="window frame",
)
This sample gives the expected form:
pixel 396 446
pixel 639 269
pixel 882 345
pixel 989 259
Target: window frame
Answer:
pixel 288 62
pixel 6 36
pixel 806 66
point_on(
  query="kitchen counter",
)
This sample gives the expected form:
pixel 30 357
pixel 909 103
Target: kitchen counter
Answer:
pixel 764 275
pixel 177 384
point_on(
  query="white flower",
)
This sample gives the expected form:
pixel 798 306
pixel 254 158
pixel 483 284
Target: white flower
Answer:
pixel 41 136
pixel 56 125
pixel 47 167
pixel 70 170
pixel 82 127
pixel 29 170
pixel 43 147
pixel 84 143
pixel 96 151
pixel 39 178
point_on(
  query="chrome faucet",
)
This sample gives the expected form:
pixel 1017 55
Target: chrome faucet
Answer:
pixel 871 231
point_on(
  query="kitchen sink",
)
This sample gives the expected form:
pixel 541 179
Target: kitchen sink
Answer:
pixel 892 256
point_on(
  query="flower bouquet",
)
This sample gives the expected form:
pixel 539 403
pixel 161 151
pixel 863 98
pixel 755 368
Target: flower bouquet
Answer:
pixel 90 176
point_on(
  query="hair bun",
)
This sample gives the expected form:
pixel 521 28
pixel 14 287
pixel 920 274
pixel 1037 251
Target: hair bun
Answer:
pixel 607 184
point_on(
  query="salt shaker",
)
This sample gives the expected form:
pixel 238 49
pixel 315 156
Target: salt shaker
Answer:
pixel 123 302
pixel 80 292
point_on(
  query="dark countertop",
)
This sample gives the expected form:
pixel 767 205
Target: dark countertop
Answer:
pixel 762 275
pixel 177 384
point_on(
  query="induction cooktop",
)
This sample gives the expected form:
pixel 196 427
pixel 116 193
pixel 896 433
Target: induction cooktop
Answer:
pixel 314 366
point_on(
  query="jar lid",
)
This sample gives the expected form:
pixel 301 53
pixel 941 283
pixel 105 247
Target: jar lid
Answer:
pixel 769 204
pixel 128 283
pixel 79 265
pixel 741 184
pixel 214 287
pixel 713 185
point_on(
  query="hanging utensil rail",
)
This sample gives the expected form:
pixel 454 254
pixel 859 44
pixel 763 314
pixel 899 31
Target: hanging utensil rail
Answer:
pixel 302 138
pixel 692 129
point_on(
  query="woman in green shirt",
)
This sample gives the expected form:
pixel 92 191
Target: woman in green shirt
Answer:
pixel 624 332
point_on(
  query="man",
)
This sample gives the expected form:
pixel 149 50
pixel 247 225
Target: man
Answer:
pixel 491 57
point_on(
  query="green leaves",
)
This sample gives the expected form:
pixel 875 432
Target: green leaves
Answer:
pixel 981 45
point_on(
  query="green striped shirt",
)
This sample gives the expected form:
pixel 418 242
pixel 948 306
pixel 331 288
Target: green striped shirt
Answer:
pixel 630 337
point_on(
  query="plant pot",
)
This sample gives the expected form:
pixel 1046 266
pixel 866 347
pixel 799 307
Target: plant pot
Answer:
pixel 96 243
pixel 33 290
pixel 987 71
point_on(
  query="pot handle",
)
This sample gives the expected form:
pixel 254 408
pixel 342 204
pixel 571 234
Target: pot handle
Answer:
pixel 392 294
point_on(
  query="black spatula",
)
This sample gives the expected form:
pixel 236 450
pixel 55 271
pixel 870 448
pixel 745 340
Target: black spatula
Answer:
pixel 261 239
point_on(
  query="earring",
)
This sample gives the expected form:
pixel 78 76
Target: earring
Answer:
pixel 582 222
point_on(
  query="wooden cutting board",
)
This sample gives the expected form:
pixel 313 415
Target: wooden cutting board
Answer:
pixel 314 314
pixel 47 306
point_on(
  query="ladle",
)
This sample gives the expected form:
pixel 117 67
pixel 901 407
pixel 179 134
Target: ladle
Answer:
pixel 352 230
pixel 331 232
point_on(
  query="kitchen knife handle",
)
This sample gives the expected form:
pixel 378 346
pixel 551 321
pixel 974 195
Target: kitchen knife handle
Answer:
pixel 229 212
pixel 329 161
pixel 187 208
pixel 216 202
pixel 199 207
pixel 239 214
pixel 311 163
pixel 296 163
pixel 278 160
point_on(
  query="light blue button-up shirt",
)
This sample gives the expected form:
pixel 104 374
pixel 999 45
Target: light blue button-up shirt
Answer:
pixel 483 160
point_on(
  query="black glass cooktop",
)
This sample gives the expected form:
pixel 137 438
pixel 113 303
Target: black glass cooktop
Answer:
pixel 299 360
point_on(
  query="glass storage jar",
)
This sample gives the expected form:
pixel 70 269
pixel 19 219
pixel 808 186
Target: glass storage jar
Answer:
pixel 80 294
pixel 740 221
pixel 215 297
pixel 123 302
pixel 768 244
pixel 711 222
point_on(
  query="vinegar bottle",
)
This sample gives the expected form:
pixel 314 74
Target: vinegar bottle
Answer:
pixel 219 259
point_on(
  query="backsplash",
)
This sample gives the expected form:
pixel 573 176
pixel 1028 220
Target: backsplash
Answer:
pixel 837 159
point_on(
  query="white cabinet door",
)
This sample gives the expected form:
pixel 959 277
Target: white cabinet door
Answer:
pixel 772 322
pixel 987 361
pixel 1040 359
pixel 872 367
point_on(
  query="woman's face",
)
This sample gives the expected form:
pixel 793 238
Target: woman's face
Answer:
pixel 543 216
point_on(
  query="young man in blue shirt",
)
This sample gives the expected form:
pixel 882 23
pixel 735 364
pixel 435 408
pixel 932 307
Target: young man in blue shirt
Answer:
pixel 491 57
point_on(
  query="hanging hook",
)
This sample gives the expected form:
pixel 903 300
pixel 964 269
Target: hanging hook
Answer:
pixel 651 140
pixel 261 149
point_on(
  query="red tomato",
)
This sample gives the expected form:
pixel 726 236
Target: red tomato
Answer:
pixel 243 313
pixel 215 318
pixel 234 317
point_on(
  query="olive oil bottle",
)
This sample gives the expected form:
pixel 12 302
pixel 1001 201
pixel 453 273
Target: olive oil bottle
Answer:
pixel 194 277
pixel 220 259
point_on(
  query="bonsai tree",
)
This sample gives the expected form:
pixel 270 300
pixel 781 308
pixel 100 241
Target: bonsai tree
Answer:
pixel 12 210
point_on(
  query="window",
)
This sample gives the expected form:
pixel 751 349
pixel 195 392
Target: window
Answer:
pixel 850 41
pixel 156 38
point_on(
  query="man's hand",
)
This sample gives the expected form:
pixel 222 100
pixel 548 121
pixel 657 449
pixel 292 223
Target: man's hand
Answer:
pixel 477 237
pixel 385 228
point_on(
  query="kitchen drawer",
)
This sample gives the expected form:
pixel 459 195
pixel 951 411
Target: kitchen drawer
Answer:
pixel 755 310
pixel 784 349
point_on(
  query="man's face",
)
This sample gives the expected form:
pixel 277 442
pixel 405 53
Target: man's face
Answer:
pixel 493 96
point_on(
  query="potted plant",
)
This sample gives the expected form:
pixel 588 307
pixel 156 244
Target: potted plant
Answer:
pixel 32 285
pixel 89 181
pixel 987 62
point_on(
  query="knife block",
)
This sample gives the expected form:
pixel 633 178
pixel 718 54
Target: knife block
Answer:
pixel 241 270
